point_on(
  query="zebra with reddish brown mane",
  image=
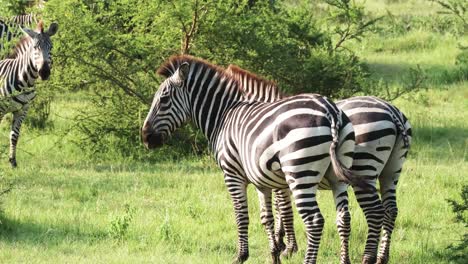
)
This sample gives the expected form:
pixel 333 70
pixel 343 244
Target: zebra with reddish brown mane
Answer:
pixel 383 137
pixel 288 143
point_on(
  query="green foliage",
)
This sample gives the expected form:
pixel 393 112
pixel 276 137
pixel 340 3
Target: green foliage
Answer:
pixel 120 224
pixel 39 112
pixel 352 20
pixel 462 63
pixel 460 209
pixel 112 48
pixel 457 8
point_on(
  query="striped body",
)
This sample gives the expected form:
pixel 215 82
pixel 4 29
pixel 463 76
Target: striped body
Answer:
pixel 289 143
pixel 383 136
pixel 18 74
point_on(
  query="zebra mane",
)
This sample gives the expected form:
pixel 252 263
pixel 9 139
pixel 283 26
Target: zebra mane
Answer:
pixel 234 69
pixel 19 48
pixel 266 85
pixel 169 67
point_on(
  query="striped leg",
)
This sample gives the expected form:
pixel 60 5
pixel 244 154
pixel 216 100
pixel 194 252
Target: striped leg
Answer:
pixel 237 188
pixel 279 230
pixel 268 221
pixel 343 218
pixel 388 183
pixel 370 203
pixel 306 203
pixel 18 118
pixel 285 225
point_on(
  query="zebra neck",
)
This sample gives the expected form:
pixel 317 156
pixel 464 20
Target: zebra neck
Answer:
pixel 212 96
pixel 22 76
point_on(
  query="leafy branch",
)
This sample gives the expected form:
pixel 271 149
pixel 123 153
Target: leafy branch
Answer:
pixel 455 7
pixel 353 23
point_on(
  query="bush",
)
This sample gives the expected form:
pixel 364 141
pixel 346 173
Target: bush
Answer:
pixel 462 63
pixel 460 250
pixel 39 112
pixel 120 224
pixel 111 49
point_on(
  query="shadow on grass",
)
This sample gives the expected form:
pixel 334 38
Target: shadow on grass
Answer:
pixel 440 143
pixel 394 73
pixel 14 231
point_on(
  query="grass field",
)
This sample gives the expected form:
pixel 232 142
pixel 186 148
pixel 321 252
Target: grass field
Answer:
pixel 66 209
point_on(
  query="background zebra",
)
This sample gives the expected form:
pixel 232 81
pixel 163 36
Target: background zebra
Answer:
pixel 31 59
pixel 383 136
pixel 10 28
pixel 288 143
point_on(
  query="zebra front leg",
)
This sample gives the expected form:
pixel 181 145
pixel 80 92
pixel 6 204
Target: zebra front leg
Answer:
pixel 286 220
pixel 304 193
pixel 370 203
pixel 237 188
pixel 267 220
pixel 18 118
pixel 343 218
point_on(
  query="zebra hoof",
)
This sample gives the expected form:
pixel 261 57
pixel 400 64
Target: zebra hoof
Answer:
pixel 382 260
pixel 369 260
pixel 13 162
pixel 280 243
pixel 288 252
pixel 275 257
pixel 241 258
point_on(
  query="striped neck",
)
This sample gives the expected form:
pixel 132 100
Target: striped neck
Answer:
pixel 211 95
pixel 22 69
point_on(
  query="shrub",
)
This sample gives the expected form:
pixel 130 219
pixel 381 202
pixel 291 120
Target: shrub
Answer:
pixel 460 209
pixel 111 49
pixel 462 63
pixel 120 224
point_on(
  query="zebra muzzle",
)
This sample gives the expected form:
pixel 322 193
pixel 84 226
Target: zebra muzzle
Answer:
pixel 44 72
pixel 152 140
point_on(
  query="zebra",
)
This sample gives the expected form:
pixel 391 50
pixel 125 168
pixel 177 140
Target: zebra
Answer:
pixel 10 28
pixel 383 137
pixel 24 20
pixel 31 59
pixel 288 143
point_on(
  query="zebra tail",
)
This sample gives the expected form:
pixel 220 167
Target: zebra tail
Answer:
pixel 341 171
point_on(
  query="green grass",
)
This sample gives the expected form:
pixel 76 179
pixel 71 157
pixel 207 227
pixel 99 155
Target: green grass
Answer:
pixel 62 206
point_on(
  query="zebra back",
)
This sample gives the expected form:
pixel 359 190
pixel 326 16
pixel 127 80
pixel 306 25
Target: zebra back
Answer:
pixel 258 89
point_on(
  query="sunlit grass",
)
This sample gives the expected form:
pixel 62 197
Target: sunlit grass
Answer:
pixel 62 204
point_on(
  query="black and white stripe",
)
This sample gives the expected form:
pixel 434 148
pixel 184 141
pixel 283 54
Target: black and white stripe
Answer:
pixel 383 137
pixel 284 144
pixel 10 28
pixel 31 59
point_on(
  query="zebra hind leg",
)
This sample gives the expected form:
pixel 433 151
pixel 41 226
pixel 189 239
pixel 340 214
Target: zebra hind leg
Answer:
pixel 237 189
pixel 286 222
pixel 370 203
pixel 388 183
pixel 343 218
pixel 304 193
pixel 267 220
pixel 279 228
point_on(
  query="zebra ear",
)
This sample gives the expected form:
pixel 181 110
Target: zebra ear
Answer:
pixel 53 28
pixel 183 71
pixel 29 32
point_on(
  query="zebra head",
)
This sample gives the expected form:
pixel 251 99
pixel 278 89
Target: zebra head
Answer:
pixel 41 48
pixel 169 109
